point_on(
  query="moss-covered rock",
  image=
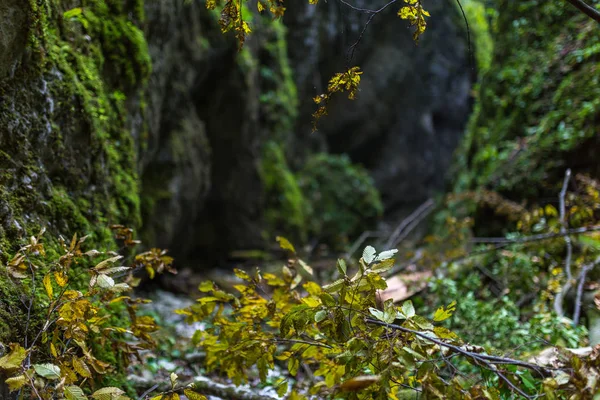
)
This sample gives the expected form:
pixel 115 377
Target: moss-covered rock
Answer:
pixel 69 159
pixel 285 206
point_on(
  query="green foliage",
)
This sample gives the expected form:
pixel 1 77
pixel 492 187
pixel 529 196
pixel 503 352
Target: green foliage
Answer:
pixel 286 207
pixel 347 347
pixel 71 337
pixel 537 105
pixel 342 197
pixel 478 15
pixel 497 322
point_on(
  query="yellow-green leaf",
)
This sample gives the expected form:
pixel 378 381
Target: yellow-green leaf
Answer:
pixel 13 359
pixel 285 244
pixel 61 279
pixel 108 393
pixel 74 393
pixel 191 395
pixel 81 368
pixel 16 382
pixel 358 383
pixel 48 286
pixel 444 313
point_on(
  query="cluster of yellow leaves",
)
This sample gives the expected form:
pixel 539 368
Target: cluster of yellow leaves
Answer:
pixel 347 81
pixel 275 7
pixel 414 12
pixel 231 18
pixel 75 317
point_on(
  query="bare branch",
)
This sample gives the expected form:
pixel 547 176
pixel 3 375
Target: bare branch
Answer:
pixel 536 238
pixel 409 223
pixel 586 9
pixel 558 300
pixel 488 361
pixel 586 268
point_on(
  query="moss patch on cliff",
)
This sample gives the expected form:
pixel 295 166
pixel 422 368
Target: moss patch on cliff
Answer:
pixel 68 151
pixel 537 105
pixel 286 208
pixel 68 159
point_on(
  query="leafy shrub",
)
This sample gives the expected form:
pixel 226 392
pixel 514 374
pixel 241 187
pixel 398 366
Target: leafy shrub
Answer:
pixel 342 197
pixel 338 343
pixel 73 337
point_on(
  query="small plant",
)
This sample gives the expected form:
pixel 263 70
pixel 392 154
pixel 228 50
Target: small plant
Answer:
pixel 82 315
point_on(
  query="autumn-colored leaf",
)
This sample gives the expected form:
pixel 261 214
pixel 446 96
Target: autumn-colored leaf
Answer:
pixel 359 383
pixel 16 382
pixel 13 359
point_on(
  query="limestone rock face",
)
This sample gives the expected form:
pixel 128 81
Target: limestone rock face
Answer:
pixel 199 169
pixel 414 100
pixel 13 34
pixel 147 115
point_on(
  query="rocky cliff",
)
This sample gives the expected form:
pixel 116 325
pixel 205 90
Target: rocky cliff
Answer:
pixel 143 113
pixel 414 100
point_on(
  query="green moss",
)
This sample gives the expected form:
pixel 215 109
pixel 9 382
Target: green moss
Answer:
pixel 286 207
pixel 279 96
pixel 537 105
pixel 477 16
pixel 66 109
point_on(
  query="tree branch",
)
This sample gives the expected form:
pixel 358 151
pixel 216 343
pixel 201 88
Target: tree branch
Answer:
pixel 586 9
pixel 490 362
pixel 536 238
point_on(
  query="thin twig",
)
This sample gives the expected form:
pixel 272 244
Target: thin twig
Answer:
pixel 584 270
pixel 409 223
pixel 147 392
pixel 351 50
pixel 559 299
pixel 536 238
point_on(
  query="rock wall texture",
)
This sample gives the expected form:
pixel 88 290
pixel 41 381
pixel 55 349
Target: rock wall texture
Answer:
pixel 414 100
pixel 143 113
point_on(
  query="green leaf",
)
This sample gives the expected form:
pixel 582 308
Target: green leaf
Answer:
pixel 48 371
pixel 408 309
pixel 383 266
pixel 282 388
pixel 328 300
pixel 380 315
pixel 369 254
pixel 385 255
pixel 334 286
pixel 13 359
pixel 444 313
pixel 341 266
pixel 108 393
pixel 305 267
pixel 74 12
pixel 320 315
pixel 74 393
pixel 293 364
